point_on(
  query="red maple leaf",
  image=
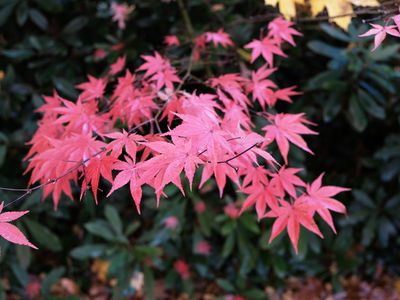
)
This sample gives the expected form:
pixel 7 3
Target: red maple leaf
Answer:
pixel 280 29
pixel 118 66
pixel 320 197
pixel 288 128
pixel 219 38
pixel 286 180
pixel 129 173
pixel 92 89
pixel 260 86
pixel 99 165
pixel 10 232
pixel 290 216
pixel 266 48
pixel 166 167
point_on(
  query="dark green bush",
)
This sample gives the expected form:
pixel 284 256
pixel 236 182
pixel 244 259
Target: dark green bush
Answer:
pixel 350 92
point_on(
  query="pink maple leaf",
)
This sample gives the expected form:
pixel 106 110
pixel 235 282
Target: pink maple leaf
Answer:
pixel 129 173
pixel 288 128
pixel 121 12
pixel 286 180
pixel 167 166
pixel 171 40
pixel 233 85
pixel 380 33
pixel 99 165
pixel 10 232
pixel 396 20
pixel 159 69
pixel 261 196
pixel 260 86
pixel 266 48
pixel 118 66
pixel 219 38
pixel 92 89
pixel 280 29
pixel 124 140
pixel 320 197
pixel 291 216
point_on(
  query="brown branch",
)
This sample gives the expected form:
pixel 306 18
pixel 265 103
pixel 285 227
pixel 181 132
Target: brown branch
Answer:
pixel 186 18
pixel 237 155
pixel 28 191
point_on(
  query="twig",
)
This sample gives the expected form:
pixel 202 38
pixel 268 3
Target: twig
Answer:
pixel 186 18
pixel 28 191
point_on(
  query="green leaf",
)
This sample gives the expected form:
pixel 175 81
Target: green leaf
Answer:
pixel 149 282
pixel 88 251
pixel 113 218
pixel 24 255
pixel 384 52
pixel 205 224
pixel 142 251
pixel 333 106
pixel 3 152
pixel 101 229
pixel 356 115
pixel 324 80
pixel 131 228
pixel 75 25
pixel 335 32
pixel 22 13
pixel 228 245
pixel 370 105
pixel 6 11
pixel 51 279
pixel 50 5
pixel 363 197
pixel 368 232
pixel 65 87
pixel 226 285
pixel 249 221
pixel 385 230
pixel 43 236
pixel 21 274
pixel 38 18
pixel 280 266
pixel 381 81
pixel 228 227
pixel 18 54
pixel 255 294
pixel 324 49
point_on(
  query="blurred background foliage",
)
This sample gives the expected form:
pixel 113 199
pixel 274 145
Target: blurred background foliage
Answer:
pixel 108 250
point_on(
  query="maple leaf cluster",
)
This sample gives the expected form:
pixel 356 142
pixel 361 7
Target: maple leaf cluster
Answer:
pixel 113 131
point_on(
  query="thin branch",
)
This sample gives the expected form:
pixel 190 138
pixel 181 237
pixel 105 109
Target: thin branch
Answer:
pixel 186 18
pixel 28 191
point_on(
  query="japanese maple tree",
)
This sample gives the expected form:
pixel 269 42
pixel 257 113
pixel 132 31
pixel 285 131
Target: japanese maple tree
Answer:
pixel 144 127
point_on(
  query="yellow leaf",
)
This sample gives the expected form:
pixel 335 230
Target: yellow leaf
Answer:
pixel 317 6
pixel 340 8
pixel 365 2
pixel 286 7
pixel 271 2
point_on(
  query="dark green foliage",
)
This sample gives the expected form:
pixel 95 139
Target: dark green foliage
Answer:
pixel 351 93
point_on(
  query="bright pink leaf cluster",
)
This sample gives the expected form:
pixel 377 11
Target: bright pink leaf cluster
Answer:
pixel 209 135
